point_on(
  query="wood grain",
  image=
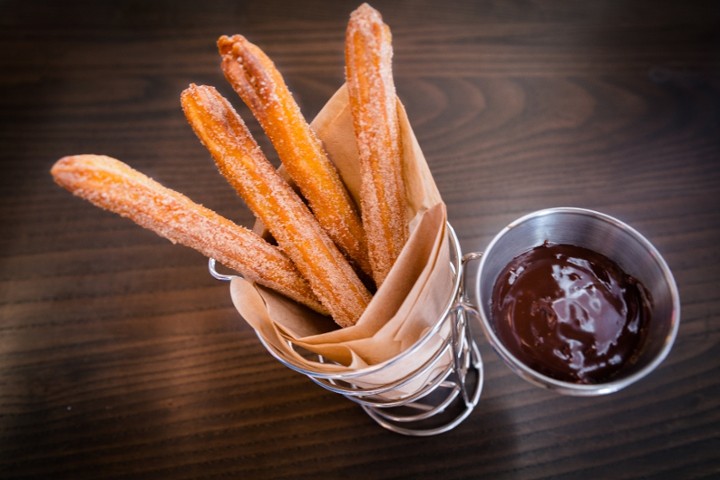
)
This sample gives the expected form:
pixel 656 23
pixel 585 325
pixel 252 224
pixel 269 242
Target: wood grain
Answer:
pixel 121 358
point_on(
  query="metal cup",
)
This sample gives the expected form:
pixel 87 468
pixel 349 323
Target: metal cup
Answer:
pixel 607 236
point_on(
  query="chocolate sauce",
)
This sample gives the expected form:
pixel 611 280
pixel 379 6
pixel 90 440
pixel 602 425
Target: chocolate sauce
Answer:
pixel 570 313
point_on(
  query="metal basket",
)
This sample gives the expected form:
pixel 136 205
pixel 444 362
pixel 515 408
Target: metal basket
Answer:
pixel 436 383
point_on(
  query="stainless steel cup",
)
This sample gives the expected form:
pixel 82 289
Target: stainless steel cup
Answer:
pixel 605 235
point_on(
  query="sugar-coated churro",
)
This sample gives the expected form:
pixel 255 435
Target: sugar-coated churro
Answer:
pixel 373 102
pixel 112 185
pixel 257 81
pixel 288 219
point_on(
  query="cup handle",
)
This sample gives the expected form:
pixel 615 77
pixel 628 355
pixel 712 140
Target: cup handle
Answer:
pixel 462 294
pixel 212 267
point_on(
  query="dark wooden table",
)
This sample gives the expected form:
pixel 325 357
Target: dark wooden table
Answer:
pixel 121 358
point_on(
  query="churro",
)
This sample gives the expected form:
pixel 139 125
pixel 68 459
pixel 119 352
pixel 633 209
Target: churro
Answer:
pixel 261 86
pixel 288 219
pixel 112 185
pixel 373 103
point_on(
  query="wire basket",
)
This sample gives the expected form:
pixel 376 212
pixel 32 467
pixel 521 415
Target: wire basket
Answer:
pixel 436 383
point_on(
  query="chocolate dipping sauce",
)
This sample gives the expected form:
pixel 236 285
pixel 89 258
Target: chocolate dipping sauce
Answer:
pixel 570 313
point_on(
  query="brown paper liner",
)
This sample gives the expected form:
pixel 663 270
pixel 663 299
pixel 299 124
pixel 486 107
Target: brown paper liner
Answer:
pixel 410 301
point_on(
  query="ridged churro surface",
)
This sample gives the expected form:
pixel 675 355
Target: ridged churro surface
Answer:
pixel 297 232
pixel 112 185
pixel 373 102
pixel 261 86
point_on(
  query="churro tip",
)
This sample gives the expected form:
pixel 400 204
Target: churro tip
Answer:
pixel 194 94
pixel 59 169
pixel 70 170
pixel 366 10
pixel 189 90
pixel 226 43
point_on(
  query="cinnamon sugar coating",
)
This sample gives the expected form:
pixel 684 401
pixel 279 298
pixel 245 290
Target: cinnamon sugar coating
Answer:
pixel 373 103
pixel 112 185
pixel 257 81
pixel 288 219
